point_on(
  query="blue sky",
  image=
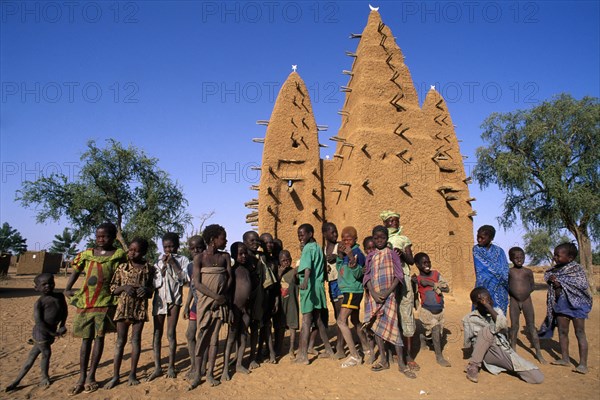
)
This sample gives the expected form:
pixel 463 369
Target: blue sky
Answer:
pixel 187 81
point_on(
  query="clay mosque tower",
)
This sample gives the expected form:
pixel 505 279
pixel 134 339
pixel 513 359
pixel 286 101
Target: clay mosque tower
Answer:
pixel 390 154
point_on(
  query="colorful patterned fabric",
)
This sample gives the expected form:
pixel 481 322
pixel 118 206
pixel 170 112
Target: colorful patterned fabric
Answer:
pixel 313 297
pixel 98 271
pixel 491 272
pixel 350 279
pixel 90 323
pixel 383 266
pixel 132 307
pixel 574 299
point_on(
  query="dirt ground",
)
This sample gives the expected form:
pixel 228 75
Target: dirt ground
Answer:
pixel 322 379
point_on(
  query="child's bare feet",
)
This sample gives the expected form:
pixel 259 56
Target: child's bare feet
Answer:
pixel 132 380
pixel 253 364
pixel 328 354
pixel 171 373
pixel 225 375
pixel 154 375
pixel 301 360
pixel 312 351
pixel 112 383
pixel 541 359
pixel 443 362
pixel 339 355
pixel 581 369
pixel 195 382
pixel 75 390
pixel 11 387
pixel 190 375
pixel 242 369
pixel 472 371
pixel 272 360
pixel 291 354
pixel 561 362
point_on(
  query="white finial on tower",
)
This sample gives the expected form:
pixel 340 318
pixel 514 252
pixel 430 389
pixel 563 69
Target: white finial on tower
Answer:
pixel 373 8
pixel 294 68
pixel 432 87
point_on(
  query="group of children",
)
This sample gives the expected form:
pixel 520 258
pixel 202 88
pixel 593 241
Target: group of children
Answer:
pixel 259 292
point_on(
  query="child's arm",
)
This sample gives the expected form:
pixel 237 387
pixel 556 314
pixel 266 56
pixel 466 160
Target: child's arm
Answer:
pixel 72 279
pixel 186 306
pixel 202 288
pixel 407 256
pixel 531 281
pixel 374 293
pixel 442 285
pixel 386 294
pixel 304 283
pixel 64 314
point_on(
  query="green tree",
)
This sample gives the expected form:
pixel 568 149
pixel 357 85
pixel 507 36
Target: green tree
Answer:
pixel 540 244
pixel 11 240
pixel 117 184
pixel 546 160
pixel 65 243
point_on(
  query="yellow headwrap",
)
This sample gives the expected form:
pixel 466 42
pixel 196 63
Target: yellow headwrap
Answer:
pixel 385 215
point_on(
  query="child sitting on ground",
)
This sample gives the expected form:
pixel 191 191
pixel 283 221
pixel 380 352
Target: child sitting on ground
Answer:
pixel 430 286
pixel 520 287
pixel 483 333
pixel 50 314
pixel 133 284
pixel 569 299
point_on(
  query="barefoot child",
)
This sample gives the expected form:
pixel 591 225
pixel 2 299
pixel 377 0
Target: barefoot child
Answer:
pixel 169 278
pixel 569 299
pixel 239 314
pixel 382 277
pixel 196 245
pixel 350 263
pixel 483 329
pixel 369 245
pixel 212 280
pixel 491 267
pixel 312 292
pixel 520 287
pixel 289 296
pixel 50 315
pixel 95 303
pixel 330 234
pixel 133 284
pixel 430 286
pixel 403 247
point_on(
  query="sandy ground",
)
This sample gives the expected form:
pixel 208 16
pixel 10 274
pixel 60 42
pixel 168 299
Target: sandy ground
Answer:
pixel 322 379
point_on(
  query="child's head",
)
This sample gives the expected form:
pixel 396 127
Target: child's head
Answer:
pixel 480 295
pixel 239 253
pixel 485 235
pixel 44 283
pixel 106 233
pixel 564 253
pixel 214 235
pixel 267 243
pixel 423 262
pixel 196 245
pixel 516 255
pixel 137 249
pixel 305 233
pixel 285 258
pixel 330 232
pixel 349 236
pixel 251 240
pixel 390 219
pixel 380 236
pixel 368 244
pixel 170 242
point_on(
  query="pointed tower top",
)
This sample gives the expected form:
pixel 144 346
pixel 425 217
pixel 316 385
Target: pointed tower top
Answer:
pixel 294 67
pixel 373 8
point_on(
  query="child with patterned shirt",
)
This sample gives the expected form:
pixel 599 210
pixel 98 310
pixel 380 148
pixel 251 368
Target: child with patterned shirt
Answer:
pixel 430 286
pixel 133 284
pixel 196 246
pixel 169 278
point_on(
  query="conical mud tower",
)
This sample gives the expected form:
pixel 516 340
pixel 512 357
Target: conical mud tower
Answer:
pixel 390 154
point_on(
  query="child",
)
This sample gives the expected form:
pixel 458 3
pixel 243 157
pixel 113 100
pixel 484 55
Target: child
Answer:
pixel 196 246
pixel 95 303
pixel 430 286
pixel 569 299
pixel 133 284
pixel 382 277
pixel 483 332
pixel 169 278
pixel 491 267
pixel 289 296
pixel 368 245
pixel 50 315
pixel 312 292
pixel 349 264
pixel 520 287
pixel 330 235
pixel 270 258
pixel 212 280
pixel 239 313
pixel 403 247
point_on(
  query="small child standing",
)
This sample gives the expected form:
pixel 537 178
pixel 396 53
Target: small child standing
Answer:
pixel 133 284
pixel 430 286
pixel 520 287
pixel 196 246
pixel 50 315
pixel 289 296
pixel 169 278
pixel 569 299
